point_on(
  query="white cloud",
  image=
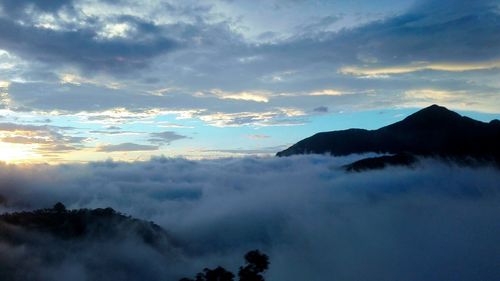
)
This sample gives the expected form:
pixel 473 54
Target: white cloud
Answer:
pixel 327 92
pixel 119 30
pixel 455 99
pixel 256 96
pixel 414 67
pixel 280 116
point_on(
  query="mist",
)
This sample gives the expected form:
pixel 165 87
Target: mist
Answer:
pixel 315 221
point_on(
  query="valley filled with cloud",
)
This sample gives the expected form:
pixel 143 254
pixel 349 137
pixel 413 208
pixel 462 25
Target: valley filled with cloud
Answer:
pixel 435 221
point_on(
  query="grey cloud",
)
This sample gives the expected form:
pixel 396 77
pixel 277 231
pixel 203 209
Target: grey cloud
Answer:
pixel 432 31
pixel 127 146
pixel 113 128
pixel 318 26
pixel 17 7
pixel 81 46
pixel 244 151
pixel 113 132
pixel 329 224
pixel 211 55
pixel 258 136
pixel 49 138
pixel 321 109
pixel 165 137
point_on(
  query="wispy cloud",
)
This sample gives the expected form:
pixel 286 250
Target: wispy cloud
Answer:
pixel 390 70
pixel 165 137
pixel 123 147
pixel 43 139
pixel 256 96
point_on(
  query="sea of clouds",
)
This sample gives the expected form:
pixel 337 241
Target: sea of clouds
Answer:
pixel 435 221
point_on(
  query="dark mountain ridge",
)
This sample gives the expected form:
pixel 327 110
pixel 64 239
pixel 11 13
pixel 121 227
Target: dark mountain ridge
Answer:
pixel 432 131
pixel 81 224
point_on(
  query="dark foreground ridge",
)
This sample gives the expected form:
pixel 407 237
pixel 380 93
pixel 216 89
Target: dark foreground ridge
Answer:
pixel 431 132
pixel 80 224
pixel 83 244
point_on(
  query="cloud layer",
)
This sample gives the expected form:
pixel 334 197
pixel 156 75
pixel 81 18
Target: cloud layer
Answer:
pixel 316 222
pixel 230 64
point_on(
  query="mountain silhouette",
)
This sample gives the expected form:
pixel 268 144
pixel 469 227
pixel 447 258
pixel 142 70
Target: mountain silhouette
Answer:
pixel 80 224
pixel 432 131
pixel 101 244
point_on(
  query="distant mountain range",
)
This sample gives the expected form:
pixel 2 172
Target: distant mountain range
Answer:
pixel 432 132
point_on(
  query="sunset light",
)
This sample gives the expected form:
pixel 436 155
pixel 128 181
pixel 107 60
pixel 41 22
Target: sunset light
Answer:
pixel 250 140
pixel 17 153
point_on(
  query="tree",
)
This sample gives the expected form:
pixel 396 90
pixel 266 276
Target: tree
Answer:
pixel 256 264
pixel 217 274
pixel 59 207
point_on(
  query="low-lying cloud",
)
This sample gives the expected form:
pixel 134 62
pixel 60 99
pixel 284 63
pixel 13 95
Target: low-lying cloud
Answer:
pixel 315 221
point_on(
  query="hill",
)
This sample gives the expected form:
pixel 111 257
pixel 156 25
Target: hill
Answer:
pixel 432 131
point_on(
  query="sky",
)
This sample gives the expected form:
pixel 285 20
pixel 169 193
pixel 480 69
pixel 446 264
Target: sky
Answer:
pixel 85 80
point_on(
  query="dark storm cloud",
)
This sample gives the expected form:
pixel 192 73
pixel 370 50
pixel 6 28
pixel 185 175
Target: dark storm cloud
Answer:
pixel 315 221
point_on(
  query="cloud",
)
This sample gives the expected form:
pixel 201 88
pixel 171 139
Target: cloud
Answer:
pixel 319 26
pixel 178 50
pixel 246 96
pixel 46 139
pixel 327 92
pixel 165 137
pixel 173 125
pixel 258 136
pixel 126 147
pixel 15 7
pixel 321 109
pixel 114 132
pixel 458 99
pixel 263 151
pixel 329 224
pixel 84 45
pixel 452 67
pixel 278 117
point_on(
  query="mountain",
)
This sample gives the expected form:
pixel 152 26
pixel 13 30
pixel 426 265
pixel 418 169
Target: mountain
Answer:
pixel 432 131
pixel 81 224
pixel 84 244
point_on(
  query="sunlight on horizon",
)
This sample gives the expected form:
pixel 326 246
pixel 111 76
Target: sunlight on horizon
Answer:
pixel 17 153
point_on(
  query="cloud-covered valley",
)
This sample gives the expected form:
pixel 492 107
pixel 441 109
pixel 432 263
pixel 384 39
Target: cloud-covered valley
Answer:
pixel 314 220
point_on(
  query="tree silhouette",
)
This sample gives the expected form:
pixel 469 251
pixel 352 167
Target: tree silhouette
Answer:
pixel 59 207
pixel 217 274
pixel 256 264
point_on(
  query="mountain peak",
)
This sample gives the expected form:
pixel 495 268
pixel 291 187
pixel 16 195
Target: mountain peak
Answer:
pixel 435 112
pixel 432 131
pixel 434 116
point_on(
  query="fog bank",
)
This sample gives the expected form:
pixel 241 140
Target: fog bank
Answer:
pixel 315 221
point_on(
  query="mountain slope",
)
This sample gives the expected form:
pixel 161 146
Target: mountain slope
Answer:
pixel 82 224
pixel 432 131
